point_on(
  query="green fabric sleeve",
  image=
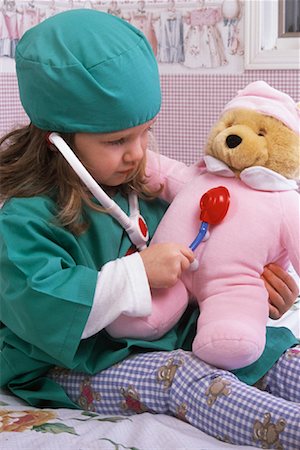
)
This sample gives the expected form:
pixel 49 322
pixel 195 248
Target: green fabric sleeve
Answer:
pixel 46 296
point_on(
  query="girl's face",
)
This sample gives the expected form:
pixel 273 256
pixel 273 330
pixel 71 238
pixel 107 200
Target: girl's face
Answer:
pixel 112 158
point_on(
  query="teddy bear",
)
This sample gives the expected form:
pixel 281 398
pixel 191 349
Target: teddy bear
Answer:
pixel 253 153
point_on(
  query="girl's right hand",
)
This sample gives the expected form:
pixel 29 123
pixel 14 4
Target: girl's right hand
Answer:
pixel 164 263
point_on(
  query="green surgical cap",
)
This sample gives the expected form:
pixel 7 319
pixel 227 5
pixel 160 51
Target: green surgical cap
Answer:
pixel 87 71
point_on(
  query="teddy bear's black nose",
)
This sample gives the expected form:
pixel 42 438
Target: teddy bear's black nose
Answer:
pixel 233 140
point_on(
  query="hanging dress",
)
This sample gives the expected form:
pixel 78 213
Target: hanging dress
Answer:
pixel 144 22
pixel 28 18
pixel 203 43
pixel 11 19
pixel 232 14
pixel 169 32
pixel 4 37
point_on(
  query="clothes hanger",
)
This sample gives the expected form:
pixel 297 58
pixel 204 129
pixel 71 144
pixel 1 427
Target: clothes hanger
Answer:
pixel 88 5
pixel 201 5
pixel 114 9
pixel 141 11
pixel 171 10
pixel 9 5
pixel 31 4
pixel 171 6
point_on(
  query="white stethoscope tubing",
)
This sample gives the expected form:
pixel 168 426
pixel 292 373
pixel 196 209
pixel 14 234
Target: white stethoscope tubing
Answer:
pixel 131 223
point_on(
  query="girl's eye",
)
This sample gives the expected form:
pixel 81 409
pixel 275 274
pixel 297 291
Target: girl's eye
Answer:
pixel 117 142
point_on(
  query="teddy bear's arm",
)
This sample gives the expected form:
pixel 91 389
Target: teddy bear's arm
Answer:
pixel 290 202
pixel 170 173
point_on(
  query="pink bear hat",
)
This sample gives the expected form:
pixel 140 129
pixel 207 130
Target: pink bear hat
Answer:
pixel 267 100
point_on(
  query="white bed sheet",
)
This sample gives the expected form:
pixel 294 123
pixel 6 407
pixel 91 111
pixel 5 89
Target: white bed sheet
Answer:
pixel 26 428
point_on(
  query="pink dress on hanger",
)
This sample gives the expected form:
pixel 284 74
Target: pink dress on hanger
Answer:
pixel 4 37
pixel 144 22
pixel 28 18
pixel 11 19
pixel 203 43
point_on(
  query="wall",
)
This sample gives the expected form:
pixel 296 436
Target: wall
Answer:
pixel 192 98
pixel 191 104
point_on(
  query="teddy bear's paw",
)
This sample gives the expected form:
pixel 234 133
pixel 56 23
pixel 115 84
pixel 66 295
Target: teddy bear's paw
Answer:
pixel 228 349
pixel 168 305
pixel 134 328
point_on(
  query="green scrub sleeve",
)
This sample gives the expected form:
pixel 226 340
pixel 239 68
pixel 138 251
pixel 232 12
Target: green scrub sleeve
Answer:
pixel 48 298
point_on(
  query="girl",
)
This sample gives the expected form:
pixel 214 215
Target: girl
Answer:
pixel 68 267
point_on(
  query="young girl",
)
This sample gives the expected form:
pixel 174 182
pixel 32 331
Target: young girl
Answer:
pixel 68 267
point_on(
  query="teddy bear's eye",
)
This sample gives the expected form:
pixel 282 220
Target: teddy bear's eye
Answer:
pixel 262 132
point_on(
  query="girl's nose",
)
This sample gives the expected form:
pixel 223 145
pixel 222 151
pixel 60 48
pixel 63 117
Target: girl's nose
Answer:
pixel 135 151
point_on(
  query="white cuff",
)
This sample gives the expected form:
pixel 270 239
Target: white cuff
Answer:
pixel 122 288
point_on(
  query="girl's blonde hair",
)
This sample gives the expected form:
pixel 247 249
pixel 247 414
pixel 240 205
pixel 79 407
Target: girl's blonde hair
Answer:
pixel 28 167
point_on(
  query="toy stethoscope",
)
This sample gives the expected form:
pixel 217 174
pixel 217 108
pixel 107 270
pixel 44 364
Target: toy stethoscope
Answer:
pixel 214 203
pixel 134 224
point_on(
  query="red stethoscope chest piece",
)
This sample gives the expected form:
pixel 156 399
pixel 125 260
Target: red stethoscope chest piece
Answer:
pixel 214 205
pixel 143 227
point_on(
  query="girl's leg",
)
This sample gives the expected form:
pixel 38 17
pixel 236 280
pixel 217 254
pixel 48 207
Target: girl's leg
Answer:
pixel 283 379
pixel 177 383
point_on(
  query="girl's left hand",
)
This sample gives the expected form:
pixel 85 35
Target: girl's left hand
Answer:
pixel 282 288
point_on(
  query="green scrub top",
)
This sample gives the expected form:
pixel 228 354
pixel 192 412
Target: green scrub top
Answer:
pixel 48 278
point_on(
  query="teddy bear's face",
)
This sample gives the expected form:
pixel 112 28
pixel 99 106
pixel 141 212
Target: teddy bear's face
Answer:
pixel 244 138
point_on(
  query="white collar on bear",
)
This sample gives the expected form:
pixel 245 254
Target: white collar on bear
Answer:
pixel 256 177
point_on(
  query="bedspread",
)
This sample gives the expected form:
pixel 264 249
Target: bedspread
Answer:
pixel 26 428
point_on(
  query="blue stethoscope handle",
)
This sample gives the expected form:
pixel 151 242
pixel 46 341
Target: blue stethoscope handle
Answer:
pixel 200 236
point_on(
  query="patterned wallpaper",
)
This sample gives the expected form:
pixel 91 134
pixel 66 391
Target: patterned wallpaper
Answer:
pixel 191 104
pixel 193 98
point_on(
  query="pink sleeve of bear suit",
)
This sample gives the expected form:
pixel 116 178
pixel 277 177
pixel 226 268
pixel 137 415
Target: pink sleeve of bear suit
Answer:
pixel 170 173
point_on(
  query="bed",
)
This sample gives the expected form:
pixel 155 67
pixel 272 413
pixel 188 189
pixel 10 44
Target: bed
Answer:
pixel 26 428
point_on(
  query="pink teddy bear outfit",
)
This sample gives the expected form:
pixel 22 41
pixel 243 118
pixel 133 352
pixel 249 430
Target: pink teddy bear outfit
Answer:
pixel 261 226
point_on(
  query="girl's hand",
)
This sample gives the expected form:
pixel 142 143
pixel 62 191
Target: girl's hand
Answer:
pixel 164 263
pixel 282 288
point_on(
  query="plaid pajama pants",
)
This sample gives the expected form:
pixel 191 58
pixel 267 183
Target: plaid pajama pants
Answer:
pixel 213 400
